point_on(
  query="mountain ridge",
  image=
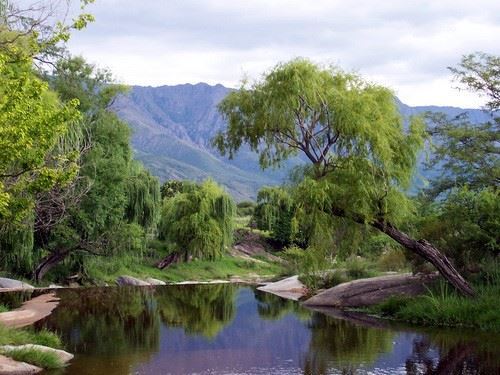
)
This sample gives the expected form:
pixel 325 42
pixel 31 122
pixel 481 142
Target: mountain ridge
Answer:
pixel 172 127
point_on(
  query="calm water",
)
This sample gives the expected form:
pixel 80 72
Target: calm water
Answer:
pixel 227 329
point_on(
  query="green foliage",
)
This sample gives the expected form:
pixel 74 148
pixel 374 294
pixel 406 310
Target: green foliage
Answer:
pixel 275 212
pixel 31 122
pixel 468 154
pixel 15 336
pixel 465 225
pixel 245 208
pixel 46 360
pixel 143 191
pixel 199 221
pixel 172 187
pixel 444 307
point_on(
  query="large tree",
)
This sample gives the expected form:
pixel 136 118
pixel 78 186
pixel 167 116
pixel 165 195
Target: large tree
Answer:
pixel 362 159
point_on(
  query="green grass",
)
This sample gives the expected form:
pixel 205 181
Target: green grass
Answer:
pixel 106 270
pixel 11 336
pixel 444 307
pixel 3 308
pixel 35 357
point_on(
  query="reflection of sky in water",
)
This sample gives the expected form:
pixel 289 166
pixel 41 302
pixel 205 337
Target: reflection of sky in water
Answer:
pixel 248 345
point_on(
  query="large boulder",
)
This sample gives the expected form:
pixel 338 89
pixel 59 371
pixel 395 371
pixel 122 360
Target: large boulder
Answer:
pixel 129 280
pixel 289 288
pixel 63 356
pixel 366 292
pixel 10 367
pixel 6 283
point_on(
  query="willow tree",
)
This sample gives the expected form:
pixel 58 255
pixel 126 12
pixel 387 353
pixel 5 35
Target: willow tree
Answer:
pixel 275 212
pixel 198 222
pixel 362 159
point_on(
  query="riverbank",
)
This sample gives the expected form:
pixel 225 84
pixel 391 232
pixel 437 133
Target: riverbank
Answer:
pixel 443 307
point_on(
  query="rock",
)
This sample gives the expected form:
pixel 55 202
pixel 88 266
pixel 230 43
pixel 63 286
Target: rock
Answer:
pixel 10 367
pixel 55 286
pixel 129 280
pixel 152 281
pixel 289 288
pixel 30 312
pixel 366 292
pixel 13 284
pixel 63 356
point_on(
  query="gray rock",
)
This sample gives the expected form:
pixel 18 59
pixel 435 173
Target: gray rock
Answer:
pixel 366 292
pixel 10 367
pixel 129 280
pixel 152 281
pixel 14 284
pixel 63 356
pixel 290 288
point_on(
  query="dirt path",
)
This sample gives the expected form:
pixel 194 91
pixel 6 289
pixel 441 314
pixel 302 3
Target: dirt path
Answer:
pixel 30 312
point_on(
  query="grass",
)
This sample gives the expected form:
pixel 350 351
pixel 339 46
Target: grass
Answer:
pixel 442 306
pixel 3 308
pixel 108 269
pixel 11 336
pixel 35 357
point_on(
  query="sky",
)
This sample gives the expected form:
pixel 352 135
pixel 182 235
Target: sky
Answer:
pixel 406 45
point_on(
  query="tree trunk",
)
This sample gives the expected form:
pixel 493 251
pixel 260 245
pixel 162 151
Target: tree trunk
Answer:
pixel 423 248
pixel 48 263
pixel 427 251
pixel 168 260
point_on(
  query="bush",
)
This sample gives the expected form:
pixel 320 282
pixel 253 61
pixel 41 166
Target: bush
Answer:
pixel 392 260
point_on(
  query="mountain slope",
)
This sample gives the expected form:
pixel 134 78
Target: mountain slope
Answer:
pixel 173 125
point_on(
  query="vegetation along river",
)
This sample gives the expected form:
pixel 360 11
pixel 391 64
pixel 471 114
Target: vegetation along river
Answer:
pixel 228 329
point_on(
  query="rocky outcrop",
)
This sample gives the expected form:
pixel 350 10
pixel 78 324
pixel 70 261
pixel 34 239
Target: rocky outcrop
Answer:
pixel 131 281
pixel 6 283
pixel 152 281
pixel 10 367
pixel 63 356
pixel 289 288
pixel 366 292
pixel 30 312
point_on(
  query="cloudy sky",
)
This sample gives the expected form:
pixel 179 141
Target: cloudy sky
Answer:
pixel 404 44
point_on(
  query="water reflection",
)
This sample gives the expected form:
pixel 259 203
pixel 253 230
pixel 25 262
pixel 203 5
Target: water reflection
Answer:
pixel 224 329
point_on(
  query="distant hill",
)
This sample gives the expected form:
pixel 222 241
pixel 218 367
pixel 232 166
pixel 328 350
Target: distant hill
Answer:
pixel 173 125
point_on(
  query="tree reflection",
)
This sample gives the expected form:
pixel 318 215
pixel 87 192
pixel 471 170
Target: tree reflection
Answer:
pixel 343 345
pixel 272 307
pixel 106 320
pixel 457 355
pixel 198 309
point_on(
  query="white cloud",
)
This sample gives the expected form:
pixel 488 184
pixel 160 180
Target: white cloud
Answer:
pixel 404 44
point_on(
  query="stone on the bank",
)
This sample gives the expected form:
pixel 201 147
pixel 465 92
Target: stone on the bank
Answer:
pixel 367 292
pixel 289 288
pixel 129 280
pixel 13 284
pixel 10 367
pixel 152 281
pixel 62 355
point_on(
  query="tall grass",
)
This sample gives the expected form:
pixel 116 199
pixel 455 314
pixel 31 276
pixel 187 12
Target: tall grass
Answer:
pixel 46 360
pixel 11 336
pixel 442 306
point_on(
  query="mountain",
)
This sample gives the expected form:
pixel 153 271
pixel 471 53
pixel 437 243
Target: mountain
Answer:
pixel 173 125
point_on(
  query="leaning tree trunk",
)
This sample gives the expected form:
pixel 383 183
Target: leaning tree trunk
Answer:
pixel 48 263
pixel 168 260
pixel 427 251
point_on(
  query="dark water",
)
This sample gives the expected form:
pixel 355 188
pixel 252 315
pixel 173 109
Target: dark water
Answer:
pixel 226 329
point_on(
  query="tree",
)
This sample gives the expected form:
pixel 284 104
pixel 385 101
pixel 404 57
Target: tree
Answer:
pixel 466 153
pixel 361 159
pixel 275 212
pixel 198 221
